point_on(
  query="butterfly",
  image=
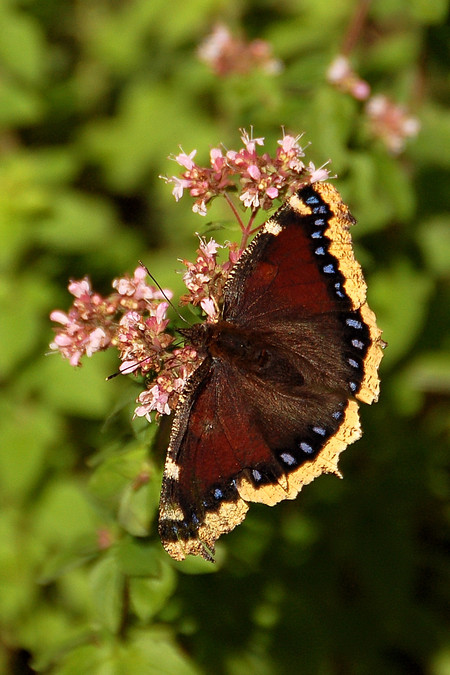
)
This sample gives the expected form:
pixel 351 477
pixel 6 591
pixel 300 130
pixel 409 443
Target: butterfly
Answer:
pixel 274 399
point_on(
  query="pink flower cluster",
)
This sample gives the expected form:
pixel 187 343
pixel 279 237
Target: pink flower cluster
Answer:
pixel 261 178
pixel 206 277
pixel 87 327
pixel 133 318
pixel 388 121
pixel 227 54
pixel 391 123
pixel 162 395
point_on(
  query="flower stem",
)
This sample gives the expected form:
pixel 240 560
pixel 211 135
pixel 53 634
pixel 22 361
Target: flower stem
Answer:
pixel 235 211
pixel 356 26
pixel 247 231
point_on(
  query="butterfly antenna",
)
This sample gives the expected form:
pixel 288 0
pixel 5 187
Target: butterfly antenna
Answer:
pixel 127 371
pixel 162 291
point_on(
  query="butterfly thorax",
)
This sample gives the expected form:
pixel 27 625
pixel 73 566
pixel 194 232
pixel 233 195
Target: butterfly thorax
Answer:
pixel 249 350
pixel 222 340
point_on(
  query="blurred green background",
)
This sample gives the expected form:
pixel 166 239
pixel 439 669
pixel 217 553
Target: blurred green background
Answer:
pixel 354 576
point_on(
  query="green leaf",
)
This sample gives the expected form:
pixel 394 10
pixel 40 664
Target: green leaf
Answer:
pixel 19 105
pixel 77 222
pixel 108 583
pixel 19 552
pixel 146 652
pixel 63 514
pixel 138 505
pixel 85 659
pixel 126 148
pixel 21 324
pixel 427 374
pixel 429 12
pixel 395 188
pixel 81 550
pixel 139 558
pixel 22 48
pixel 433 236
pixel 82 392
pixel 370 211
pixel 123 471
pixel 332 115
pixel 400 296
pixel 29 430
pixel 380 190
pixel 434 136
pixel 149 595
pixel 153 652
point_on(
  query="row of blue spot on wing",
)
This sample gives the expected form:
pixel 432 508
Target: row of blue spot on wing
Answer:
pixel 359 341
pixel 307 447
pixel 318 225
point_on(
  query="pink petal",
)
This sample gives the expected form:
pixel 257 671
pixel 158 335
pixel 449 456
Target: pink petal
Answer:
pixel 63 340
pixel 60 317
pixel 254 172
pixel 272 192
pixel 209 307
pixel 80 288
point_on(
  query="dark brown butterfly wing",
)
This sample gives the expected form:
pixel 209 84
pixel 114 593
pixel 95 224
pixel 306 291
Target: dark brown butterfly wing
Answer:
pixel 300 268
pixel 273 405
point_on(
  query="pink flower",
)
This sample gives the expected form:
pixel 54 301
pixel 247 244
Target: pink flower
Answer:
pixel 142 341
pixel 290 144
pixel 162 396
pixel 216 44
pixel 97 340
pixel 288 155
pixel 80 288
pixel 210 308
pixel 180 185
pixel 227 54
pixel 160 313
pixel 341 74
pixel 153 399
pixel 317 175
pixel 391 123
pixel 258 177
pixel 127 367
pixel 250 198
pixel 218 161
pixel 87 327
pixel 205 278
pixel 137 288
pixel 186 160
pixel 77 340
pixel 200 207
pixel 250 142
pixel 209 249
pixel 339 69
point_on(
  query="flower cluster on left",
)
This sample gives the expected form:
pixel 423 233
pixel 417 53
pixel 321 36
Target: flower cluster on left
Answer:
pixel 132 319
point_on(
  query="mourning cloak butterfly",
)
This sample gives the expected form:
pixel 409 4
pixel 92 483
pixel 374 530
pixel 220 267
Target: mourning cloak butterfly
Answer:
pixel 274 400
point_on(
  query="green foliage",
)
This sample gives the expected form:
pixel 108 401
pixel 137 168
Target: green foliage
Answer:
pixel 354 575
